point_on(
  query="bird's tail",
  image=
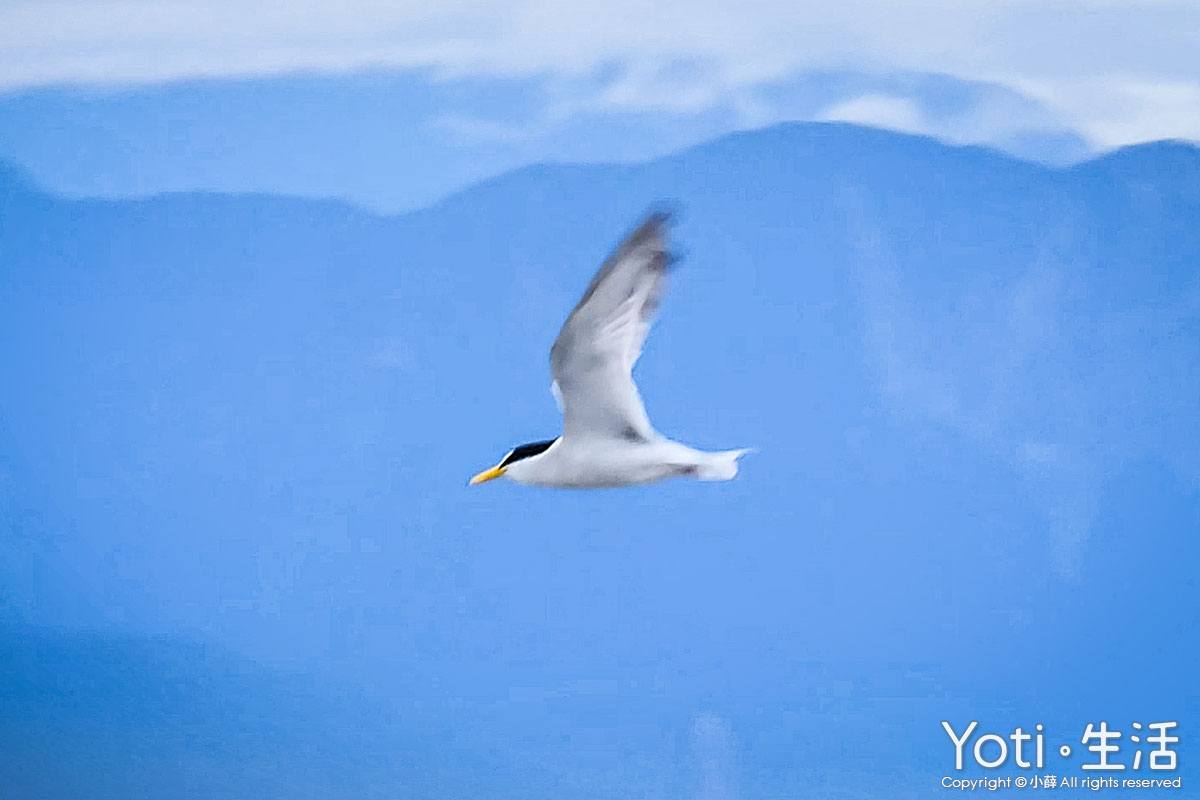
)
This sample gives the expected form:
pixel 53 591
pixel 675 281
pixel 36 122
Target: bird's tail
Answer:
pixel 721 466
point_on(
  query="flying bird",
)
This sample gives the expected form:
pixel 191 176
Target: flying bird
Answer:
pixel 607 438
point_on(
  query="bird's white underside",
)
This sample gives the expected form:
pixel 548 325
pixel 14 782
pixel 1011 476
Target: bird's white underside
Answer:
pixel 607 436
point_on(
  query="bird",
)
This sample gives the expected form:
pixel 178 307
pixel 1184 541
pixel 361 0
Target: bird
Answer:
pixel 607 440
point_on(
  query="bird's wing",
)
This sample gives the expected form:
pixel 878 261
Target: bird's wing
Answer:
pixel 592 359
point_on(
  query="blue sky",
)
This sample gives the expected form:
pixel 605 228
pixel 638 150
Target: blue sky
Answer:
pixel 1119 71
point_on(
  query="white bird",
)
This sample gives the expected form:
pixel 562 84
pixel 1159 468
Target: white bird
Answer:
pixel 607 439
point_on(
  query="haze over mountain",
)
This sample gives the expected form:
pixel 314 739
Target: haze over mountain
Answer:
pixel 244 424
pixel 397 141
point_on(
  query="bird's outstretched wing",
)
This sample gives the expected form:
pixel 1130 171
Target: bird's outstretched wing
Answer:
pixel 592 359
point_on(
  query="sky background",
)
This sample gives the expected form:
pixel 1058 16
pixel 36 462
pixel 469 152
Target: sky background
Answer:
pixel 239 555
pixel 394 105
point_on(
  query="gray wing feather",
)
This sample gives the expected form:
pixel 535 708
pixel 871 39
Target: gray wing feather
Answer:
pixel 592 359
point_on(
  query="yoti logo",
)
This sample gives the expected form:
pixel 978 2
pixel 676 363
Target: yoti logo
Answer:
pixel 992 750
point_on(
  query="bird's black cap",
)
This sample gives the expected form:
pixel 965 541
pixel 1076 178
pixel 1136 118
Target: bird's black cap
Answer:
pixel 526 450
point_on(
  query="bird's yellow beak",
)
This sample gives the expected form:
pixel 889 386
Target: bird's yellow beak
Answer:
pixel 489 474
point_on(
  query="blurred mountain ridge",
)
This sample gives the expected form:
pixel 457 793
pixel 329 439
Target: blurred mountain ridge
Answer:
pixel 972 381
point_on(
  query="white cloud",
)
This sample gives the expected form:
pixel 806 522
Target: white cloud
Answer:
pixel 1123 110
pixel 882 111
pixel 1116 50
pixel 992 116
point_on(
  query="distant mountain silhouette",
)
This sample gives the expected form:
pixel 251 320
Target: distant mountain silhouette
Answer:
pixel 397 140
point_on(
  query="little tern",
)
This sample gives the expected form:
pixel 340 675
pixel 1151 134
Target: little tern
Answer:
pixel 607 438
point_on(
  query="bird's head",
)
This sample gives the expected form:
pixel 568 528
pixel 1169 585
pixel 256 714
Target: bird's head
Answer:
pixel 514 463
